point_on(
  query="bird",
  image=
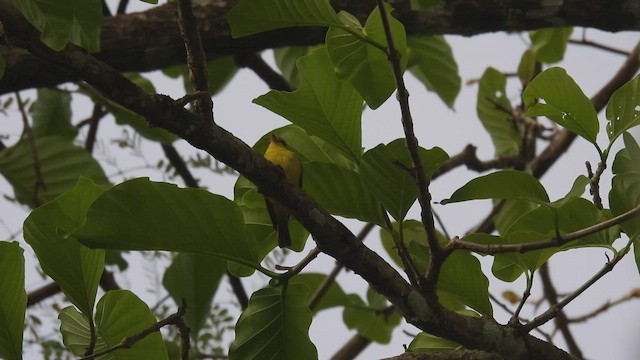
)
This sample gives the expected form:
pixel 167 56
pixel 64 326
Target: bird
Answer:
pixel 278 154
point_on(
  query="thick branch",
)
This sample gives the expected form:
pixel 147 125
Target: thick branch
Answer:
pixel 151 40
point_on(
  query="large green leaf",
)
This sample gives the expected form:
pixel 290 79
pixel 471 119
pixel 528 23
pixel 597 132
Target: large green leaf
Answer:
pixel 323 105
pixel 362 64
pixel 550 44
pixel 119 314
pixel 556 95
pixel 143 215
pixel 334 296
pixel 62 22
pixel 339 191
pixel 254 16
pixel 286 59
pixel 52 114
pixel 505 184
pixel 494 110
pixel 73 266
pixel 431 61
pixel 623 109
pixel 60 163
pixel 194 278
pixel 373 320
pixel 275 325
pixel 13 302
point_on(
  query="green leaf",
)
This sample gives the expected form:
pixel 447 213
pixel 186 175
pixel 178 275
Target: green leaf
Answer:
pixel 557 96
pixel 323 105
pixel 62 22
pixel 494 110
pixel 119 314
pixel 13 302
pixel 623 109
pixel 275 325
pixel 625 185
pixel 362 64
pixel 527 67
pixel 52 114
pixel 286 59
pixel 74 267
pixel 60 163
pixel 461 277
pixel 194 278
pixel 334 296
pixel 339 191
pixel 254 16
pixel 143 215
pixel 219 72
pixel 424 342
pixel 431 61
pixel 375 320
pixel 505 184
pixel 385 172
pixel 550 44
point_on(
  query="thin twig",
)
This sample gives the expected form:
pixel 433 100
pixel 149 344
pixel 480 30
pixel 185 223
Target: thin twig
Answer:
pixel 39 181
pixel 196 59
pixel 554 309
pixel 491 249
pixel 128 342
pixel 594 182
pixel 424 198
pixel 515 318
pixel 315 298
pixel 598 46
pixel 633 294
pixel 561 322
pixel 98 113
pixel 272 78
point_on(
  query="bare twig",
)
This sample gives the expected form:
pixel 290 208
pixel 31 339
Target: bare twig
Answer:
pixel 196 60
pixel 97 114
pixel 562 324
pixel 598 46
pixel 594 182
pixel 39 181
pixel 315 298
pixel 272 78
pixel 122 7
pixel 490 249
pixel 42 293
pixel 515 318
pixel 352 348
pixel 633 294
pixel 469 158
pixel 424 198
pixel 555 309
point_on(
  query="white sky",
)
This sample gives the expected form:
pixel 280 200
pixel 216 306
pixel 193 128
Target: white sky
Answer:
pixel 612 335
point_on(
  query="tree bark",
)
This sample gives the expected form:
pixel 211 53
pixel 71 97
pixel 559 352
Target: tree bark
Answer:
pixel 150 40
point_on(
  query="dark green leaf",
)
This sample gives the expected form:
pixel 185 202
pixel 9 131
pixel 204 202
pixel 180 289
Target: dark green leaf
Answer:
pixel 74 267
pixel 555 95
pixel 527 67
pixel 358 61
pixel 494 111
pixel 334 295
pixel 286 59
pixel 60 163
pixel 13 302
pixel 375 321
pixel 52 115
pixel 623 109
pixel 275 325
pixel 195 278
pixel 62 22
pixel 431 61
pixel 143 215
pixel 505 184
pixel 119 314
pixel 254 16
pixel 323 105
pixel 550 44
pixel 424 342
pixel 339 191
